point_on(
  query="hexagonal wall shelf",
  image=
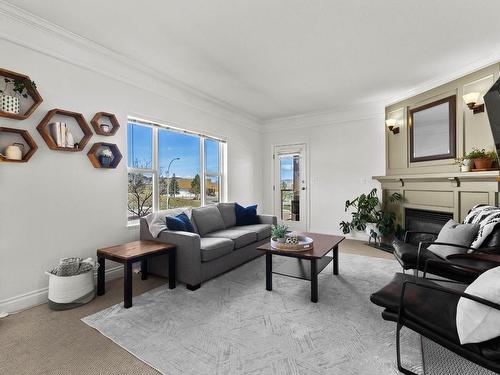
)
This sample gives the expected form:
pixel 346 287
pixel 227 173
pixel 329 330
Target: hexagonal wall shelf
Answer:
pixel 115 125
pixel 27 139
pixel 95 150
pixel 32 92
pixel 43 129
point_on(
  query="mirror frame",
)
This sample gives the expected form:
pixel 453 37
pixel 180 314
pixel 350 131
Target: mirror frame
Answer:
pixel 452 114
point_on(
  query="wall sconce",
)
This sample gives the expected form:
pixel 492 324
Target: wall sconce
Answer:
pixel 391 125
pixel 471 100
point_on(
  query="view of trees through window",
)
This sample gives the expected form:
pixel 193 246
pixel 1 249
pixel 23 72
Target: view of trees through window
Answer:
pixel 176 175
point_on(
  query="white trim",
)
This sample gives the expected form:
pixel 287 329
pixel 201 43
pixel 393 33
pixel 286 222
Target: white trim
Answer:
pixel 17 26
pixel 40 296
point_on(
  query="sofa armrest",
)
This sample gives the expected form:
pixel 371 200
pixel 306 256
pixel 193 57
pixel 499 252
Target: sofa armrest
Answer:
pixel 268 219
pixel 188 251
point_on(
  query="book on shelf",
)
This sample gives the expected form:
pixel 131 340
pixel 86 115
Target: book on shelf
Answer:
pixel 59 132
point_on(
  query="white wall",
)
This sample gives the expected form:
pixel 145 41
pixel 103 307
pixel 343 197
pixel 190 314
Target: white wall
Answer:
pixel 343 155
pixel 57 205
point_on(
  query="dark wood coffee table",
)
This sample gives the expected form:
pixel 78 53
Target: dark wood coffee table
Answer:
pixel 297 266
pixel 129 253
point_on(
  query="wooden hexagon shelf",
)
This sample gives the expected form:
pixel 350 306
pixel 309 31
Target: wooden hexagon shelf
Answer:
pixel 32 92
pixel 43 129
pixel 115 125
pixel 93 155
pixel 27 138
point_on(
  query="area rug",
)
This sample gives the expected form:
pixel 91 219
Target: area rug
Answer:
pixel 232 325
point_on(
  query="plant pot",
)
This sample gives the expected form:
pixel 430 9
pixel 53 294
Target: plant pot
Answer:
pixel 10 104
pixel 280 240
pixel 105 161
pixel 483 163
pixel 465 168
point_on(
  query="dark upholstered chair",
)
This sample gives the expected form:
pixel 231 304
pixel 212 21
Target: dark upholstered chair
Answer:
pixel 412 254
pixel 429 308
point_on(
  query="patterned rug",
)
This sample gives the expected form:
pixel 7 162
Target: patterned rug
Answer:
pixel 232 325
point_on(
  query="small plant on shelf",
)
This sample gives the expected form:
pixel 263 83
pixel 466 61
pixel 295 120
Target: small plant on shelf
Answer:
pixel 11 94
pixel 278 232
pixel 481 158
pixel 17 86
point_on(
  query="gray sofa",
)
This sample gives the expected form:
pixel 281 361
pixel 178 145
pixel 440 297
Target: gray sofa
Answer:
pixel 217 245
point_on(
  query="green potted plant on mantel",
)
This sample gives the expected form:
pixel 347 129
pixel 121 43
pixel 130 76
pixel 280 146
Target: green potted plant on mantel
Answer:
pixel 369 217
pixel 482 160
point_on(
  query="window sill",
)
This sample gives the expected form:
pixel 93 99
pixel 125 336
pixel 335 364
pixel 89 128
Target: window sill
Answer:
pixel 133 225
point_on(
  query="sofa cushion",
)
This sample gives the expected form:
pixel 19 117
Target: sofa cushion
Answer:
pixel 228 214
pixel 208 219
pixel 262 230
pixel 455 233
pixel 212 248
pixel 241 238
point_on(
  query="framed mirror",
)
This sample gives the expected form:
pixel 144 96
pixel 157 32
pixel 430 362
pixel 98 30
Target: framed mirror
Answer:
pixel 433 130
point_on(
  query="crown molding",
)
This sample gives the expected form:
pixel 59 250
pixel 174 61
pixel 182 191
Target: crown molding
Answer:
pixel 326 118
pixel 481 63
pixel 30 31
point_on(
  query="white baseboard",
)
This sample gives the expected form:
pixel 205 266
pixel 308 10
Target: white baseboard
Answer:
pixel 37 297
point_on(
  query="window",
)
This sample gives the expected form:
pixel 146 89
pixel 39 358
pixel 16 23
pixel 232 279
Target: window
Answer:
pixel 170 168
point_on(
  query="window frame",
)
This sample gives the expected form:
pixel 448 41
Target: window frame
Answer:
pixel 155 172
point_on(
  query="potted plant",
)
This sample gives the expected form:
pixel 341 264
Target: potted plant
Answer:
pixel 482 159
pixel 18 88
pixel 106 157
pixel 465 163
pixel 278 233
pixel 369 217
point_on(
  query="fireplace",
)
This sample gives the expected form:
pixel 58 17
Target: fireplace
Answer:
pixel 425 220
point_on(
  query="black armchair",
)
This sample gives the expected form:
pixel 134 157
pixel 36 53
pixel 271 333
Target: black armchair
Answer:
pixel 429 308
pixel 413 254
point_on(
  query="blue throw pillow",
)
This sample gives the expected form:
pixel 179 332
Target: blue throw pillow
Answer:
pixel 187 223
pixel 174 223
pixel 246 216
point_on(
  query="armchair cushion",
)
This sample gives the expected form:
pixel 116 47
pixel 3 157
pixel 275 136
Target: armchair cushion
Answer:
pixel 477 322
pixel 407 254
pixel 208 219
pixel 455 233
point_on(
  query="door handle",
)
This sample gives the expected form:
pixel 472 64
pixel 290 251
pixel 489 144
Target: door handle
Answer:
pixel 303 188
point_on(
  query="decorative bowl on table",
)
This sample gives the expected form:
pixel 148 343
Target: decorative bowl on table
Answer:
pixel 293 242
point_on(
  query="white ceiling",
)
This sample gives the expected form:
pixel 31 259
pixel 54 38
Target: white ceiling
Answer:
pixel 278 58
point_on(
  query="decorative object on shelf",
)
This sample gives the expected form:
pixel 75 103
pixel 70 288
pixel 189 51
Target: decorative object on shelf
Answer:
pixel 278 233
pixel 103 128
pixel 392 125
pixel 483 161
pixel 369 216
pixel 45 128
pixel 18 86
pixel 465 163
pixel 299 243
pixel 472 100
pixel 16 152
pixel 105 158
pixel 104 155
pixel 424 144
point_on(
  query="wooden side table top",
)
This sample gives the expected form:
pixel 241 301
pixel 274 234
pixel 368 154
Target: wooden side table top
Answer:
pixel 133 250
pixel 323 243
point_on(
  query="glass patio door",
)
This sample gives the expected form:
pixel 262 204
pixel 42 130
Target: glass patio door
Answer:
pixel 290 186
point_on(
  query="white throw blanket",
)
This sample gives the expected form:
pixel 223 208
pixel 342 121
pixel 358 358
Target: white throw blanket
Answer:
pixel 156 220
pixel 487 217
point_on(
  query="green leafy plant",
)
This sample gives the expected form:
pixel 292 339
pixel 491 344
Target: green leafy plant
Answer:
pixel 367 209
pixel 279 231
pixel 481 154
pixel 18 86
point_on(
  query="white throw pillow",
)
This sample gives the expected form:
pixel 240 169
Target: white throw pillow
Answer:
pixel 156 220
pixel 477 322
pixel 455 233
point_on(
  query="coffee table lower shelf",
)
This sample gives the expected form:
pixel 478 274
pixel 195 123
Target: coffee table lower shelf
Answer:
pixel 300 268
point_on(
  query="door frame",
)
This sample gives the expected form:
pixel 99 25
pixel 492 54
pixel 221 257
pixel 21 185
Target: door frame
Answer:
pixel 306 178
